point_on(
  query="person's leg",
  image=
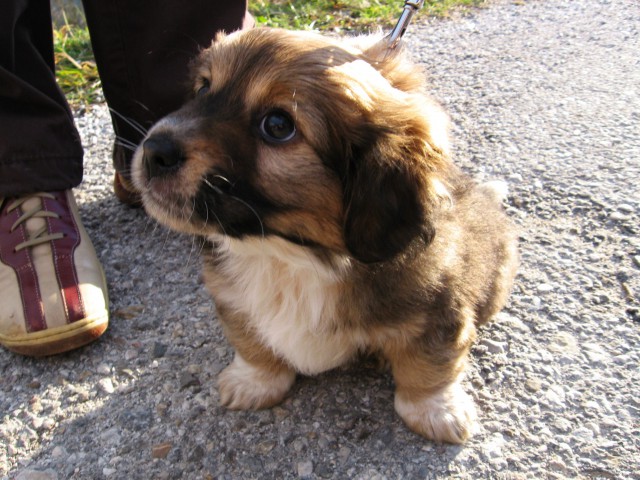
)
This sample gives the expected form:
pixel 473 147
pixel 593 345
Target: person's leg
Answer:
pixel 40 149
pixel 52 290
pixel 143 50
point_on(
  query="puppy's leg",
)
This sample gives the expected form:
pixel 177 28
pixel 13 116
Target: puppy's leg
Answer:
pixel 429 397
pixel 256 378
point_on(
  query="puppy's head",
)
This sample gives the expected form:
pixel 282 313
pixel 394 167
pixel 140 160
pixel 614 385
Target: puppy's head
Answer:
pixel 322 142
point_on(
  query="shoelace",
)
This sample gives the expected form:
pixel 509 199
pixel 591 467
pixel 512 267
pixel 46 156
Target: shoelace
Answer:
pixel 42 235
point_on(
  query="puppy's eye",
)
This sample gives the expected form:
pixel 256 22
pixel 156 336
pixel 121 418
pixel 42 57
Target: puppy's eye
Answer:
pixel 204 88
pixel 278 127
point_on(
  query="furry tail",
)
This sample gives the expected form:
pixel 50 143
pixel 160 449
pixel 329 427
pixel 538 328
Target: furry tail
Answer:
pixel 497 190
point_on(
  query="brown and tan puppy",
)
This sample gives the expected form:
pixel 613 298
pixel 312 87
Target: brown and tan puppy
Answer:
pixel 319 173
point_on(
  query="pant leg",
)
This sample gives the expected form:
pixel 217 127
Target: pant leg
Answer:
pixel 40 148
pixel 143 49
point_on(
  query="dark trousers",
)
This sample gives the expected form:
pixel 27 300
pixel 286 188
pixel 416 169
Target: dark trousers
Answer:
pixel 142 49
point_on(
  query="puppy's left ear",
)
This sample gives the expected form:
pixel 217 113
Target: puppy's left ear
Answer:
pixel 397 174
pixel 385 210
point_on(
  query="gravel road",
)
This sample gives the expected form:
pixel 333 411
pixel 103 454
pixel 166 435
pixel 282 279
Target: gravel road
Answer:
pixel 544 94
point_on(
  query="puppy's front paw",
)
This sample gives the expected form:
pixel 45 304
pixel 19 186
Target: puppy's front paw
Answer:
pixel 243 386
pixel 446 416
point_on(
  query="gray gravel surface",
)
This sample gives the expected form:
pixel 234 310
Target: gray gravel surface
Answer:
pixel 544 94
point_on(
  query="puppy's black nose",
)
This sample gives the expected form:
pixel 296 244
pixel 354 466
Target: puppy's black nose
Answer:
pixel 162 155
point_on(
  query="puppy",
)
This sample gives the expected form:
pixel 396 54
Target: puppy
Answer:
pixel 318 172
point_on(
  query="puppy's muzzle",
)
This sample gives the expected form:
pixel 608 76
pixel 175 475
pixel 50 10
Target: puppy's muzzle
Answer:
pixel 161 156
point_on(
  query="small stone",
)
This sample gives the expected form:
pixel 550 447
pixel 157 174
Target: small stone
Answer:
pixel 58 452
pixel 595 353
pixel 48 424
pixel 535 301
pixel 492 448
pixel 592 405
pixel 106 385
pixel 159 350
pixel 601 299
pixel 188 380
pixel 305 469
pixel 104 369
pixel 493 346
pixel 299 444
pixel 130 312
pixel 623 207
pixel 107 472
pixel 343 454
pixel 557 465
pixel 562 424
pixel 515 323
pixel 161 450
pixel 594 427
pixel 34 384
pixel 130 354
pixel 37 475
pixel 545 288
pixel 555 395
pixel 265 447
pixel 111 436
pixel 583 435
pixel 618 217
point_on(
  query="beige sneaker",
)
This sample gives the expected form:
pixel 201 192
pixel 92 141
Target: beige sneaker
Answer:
pixel 53 294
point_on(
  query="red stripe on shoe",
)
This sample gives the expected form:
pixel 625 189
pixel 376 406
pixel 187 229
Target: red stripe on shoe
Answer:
pixel 63 250
pixel 22 264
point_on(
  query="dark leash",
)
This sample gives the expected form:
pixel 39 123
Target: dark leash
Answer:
pixel 410 9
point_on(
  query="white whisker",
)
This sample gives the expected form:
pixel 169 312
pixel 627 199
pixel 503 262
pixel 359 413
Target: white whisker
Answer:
pixel 136 126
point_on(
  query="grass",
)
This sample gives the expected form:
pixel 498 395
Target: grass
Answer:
pixel 76 69
pixel 78 76
pixel 338 15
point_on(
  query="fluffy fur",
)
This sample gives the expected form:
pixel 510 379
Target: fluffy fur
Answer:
pixel 319 172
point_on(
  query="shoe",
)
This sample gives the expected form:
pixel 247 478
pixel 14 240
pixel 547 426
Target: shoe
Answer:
pixel 125 191
pixel 53 293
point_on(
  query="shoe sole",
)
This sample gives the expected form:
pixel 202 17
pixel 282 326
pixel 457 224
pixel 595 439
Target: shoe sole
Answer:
pixel 58 340
pixel 61 339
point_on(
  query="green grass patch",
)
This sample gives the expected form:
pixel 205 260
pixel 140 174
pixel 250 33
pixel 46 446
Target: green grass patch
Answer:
pixel 78 76
pixel 338 15
pixel 76 69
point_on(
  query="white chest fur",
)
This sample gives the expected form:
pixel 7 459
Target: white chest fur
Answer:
pixel 290 298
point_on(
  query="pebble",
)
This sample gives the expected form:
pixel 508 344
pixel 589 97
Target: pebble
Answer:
pixel 265 447
pixel 58 452
pixel 159 349
pixel 583 435
pixel 494 346
pixel 492 447
pixel 623 207
pixel 619 217
pixel 533 384
pixel 545 288
pixel 37 475
pixel 305 469
pixel 187 380
pixel 106 385
pixel 161 450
